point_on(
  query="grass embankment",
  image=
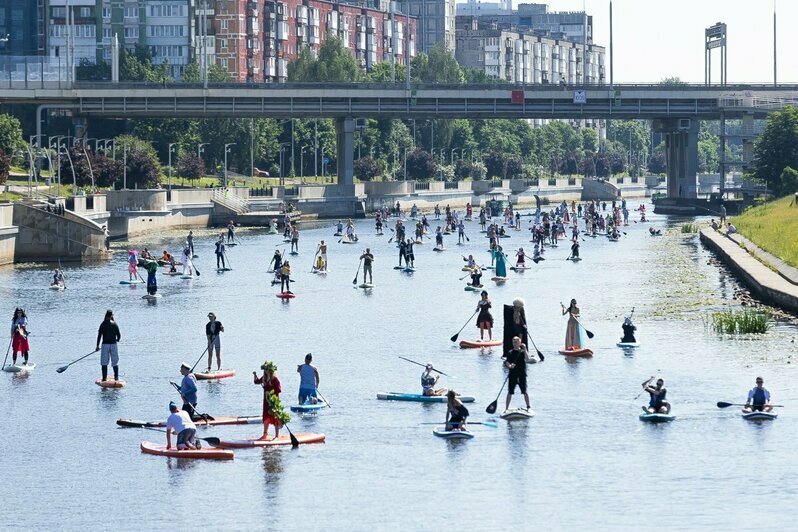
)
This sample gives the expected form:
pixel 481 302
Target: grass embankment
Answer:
pixel 773 227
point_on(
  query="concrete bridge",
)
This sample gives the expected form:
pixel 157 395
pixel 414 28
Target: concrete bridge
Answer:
pixel 675 110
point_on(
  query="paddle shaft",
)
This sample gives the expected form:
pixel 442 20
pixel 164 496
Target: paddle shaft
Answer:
pixel 205 417
pixel 647 383
pixel 454 338
pixel 210 439
pixel 492 407
pixel 213 339
pixel 589 334
pixel 7 350
pixel 354 281
pixel 64 368
pixel 423 366
pixel 323 399
pixel 722 404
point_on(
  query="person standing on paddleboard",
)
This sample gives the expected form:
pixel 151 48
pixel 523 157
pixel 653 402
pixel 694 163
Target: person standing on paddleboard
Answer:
pixel 575 249
pixel 190 242
pixel 285 278
pixel 109 334
pixel 231 231
pixel 271 398
pixel 152 270
pixel 516 361
pixel 180 423
pixel 188 390
pixel 484 319
pixel 758 398
pixel 308 381
pixel 294 238
pixel 213 330
pixel 323 255
pixel 132 265
pixel 367 259
pixel 19 336
pixel 573 332
pixel 456 412
pixel 220 252
pixel 410 256
pixel 439 238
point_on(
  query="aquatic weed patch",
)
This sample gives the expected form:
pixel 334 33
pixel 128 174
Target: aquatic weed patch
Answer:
pixel 741 321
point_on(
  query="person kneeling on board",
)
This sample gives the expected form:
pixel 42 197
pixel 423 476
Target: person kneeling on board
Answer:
pixel 628 331
pixel 456 412
pixel 180 423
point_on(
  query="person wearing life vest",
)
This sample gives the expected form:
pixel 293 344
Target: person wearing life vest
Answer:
pixel 657 403
pixel 758 398
pixel 285 278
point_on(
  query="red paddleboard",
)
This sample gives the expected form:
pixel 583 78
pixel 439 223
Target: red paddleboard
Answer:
pixel 205 452
pixel 577 352
pixel 110 383
pixel 286 296
pixel 467 344
pixel 215 375
pixel 285 439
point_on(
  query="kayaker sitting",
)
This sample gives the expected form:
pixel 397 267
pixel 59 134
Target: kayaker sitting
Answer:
pixel 758 398
pixel 180 423
pixel 657 404
pixel 628 331
pixel 308 381
pixel 428 382
pixel 456 412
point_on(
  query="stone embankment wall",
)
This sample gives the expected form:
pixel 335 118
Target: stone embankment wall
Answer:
pixel 48 236
pixel 8 233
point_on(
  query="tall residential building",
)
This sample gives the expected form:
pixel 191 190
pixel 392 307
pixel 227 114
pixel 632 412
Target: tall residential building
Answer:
pixel 22 24
pixel 436 22
pixel 575 25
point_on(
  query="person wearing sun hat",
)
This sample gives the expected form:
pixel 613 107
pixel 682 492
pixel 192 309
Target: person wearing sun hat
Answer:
pixel 271 398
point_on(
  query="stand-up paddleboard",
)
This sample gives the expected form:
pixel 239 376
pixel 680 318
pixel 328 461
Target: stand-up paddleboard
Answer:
pixel 656 417
pixel 441 432
pixel 171 274
pixel 419 242
pixel 520 268
pixel 517 413
pixel 438 249
pixel 499 279
pixel 473 344
pixel 628 345
pixel 151 297
pixel 215 375
pixel 340 234
pixel 419 398
pixel 223 269
pixel 219 420
pixel 759 416
pixel 186 276
pixel 611 239
pixel 110 383
pixel 409 269
pixel 294 253
pixel 211 453
pixel 302 437
pixel 575 259
pixel 309 407
pixel 461 243
pixel 57 287
pixel 365 285
pixel 577 352
pixel 195 256
pixel 346 241
pixel 321 272
pixel 286 296
pixel 231 244
pixel 472 288
pixel 19 368
pixel 134 281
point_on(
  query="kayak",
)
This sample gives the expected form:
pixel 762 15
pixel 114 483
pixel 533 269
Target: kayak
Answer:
pixel 285 439
pixel 759 416
pixel 18 368
pixel 286 296
pixel 472 288
pixel 441 432
pixel 577 352
pixel 628 345
pixel 365 285
pixel 472 344
pixel 309 407
pixel 418 398
pixel 134 281
pixel 110 383
pixel 215 375
pixel 151 297
pixel 656 418
pixel 208 453
pixel 243 420
pixel 517 413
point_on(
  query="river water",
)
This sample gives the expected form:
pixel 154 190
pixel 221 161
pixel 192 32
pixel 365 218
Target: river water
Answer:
pixel 584 462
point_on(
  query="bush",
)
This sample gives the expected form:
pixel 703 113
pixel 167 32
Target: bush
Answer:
pixel 367 169
pixel 447 171
pixel 5 166
pixel 421 165
pixel 494 164
pixel 478 171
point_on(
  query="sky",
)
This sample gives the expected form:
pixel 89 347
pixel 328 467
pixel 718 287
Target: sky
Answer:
pixel 655 39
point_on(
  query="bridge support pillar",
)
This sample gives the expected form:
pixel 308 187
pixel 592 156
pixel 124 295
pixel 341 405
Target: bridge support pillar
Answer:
pixel 681 155
pixel 345 137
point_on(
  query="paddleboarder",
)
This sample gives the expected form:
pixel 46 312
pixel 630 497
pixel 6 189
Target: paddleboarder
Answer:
pixel 456 412
pixel 271 398
pixel 573 332
pixel 190 242
pixel 515 361
pixel 187 261
pixel 109 335
pixel 285 278
pixel 19 336
pixel 758 398
pixel 294 238
pixel 58 278
pixel 231 231
pixel 575 249
pixel 188 390
pixel 220 252
pixel 476 277
pixel 628 331
pixel 367 259
pixel 500 261
pixel 132 265
pixel 180 423
pixel 308 381
pixel 152 283
pixel 323 255
pixel 277 259
pixel 428 382
pixel 657 403
pixel 410 256
pixel 439 238
pixel 213 330
pixel 484 319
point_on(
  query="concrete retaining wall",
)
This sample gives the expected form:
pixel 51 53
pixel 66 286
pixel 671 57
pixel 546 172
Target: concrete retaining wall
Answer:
pixel 47 236
pixel 593 189
pixel 129 224
pixel 136 200
pixel 8 233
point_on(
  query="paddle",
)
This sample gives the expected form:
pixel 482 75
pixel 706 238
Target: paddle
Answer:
pixel 647 383
pixel 9 349
pixel 229 265
pixel 314 259
pixel 491 424
pixel 540 355
pixel 454 338
pixel 204 417
pixel 722 404
pixel 393 235
pixel 322 398
pixel 588 333
pixel 491 409
pixel 213 339
pixel 210 439
pixel 191 264
pixel 354 281
pixel 294 441
pixel 64 368
pixel 63 277
pixel 424 366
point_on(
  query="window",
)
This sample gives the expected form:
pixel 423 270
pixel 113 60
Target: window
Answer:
pixel 224 25
pixel 106 33
pixel 85 12
pixel 131 12
pixel 59 12
pixel 132 32
pixel 223 44
pixel 106 12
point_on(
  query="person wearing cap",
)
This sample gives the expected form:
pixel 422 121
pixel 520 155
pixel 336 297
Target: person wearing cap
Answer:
pixel 758 398
pixel 271 397
pixel 308 381
pixel 188 390
pixel 180 423
pixel 628 331
pixel 212 331
pixel 110 335
pixel 428 382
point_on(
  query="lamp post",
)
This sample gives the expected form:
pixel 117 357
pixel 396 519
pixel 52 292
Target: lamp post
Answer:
pixel 226 151
pixel 88 162
pixel 171 149
pixel 282 149
pixel 302 161
pixel 200 150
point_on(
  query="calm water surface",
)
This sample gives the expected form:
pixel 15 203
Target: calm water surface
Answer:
pixel 584 462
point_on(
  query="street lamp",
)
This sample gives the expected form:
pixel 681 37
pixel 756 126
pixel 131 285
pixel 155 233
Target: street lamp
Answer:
pixel 302 160
pixel 124 161
pixel 171 149
pixel 226 151
pixel 282 149
pixel 88 162
pixel 72 166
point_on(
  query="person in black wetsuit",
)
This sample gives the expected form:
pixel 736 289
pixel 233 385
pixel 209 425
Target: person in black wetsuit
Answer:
pixel 402 252
pixel 456 412
pixel 515 361
pixel 628 331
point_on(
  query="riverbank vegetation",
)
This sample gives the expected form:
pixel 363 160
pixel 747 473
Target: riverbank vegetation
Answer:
pixel 741 321
pixel 773 227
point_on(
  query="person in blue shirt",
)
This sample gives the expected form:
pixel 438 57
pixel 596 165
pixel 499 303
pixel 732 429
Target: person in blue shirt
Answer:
pixel 758 398
pixel 188 390
pixel 308 381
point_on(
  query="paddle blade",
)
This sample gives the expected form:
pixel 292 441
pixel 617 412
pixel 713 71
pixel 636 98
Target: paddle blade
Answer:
pixel 354 281
pixel 491 409
pixel 62 369
pixel 454 338
pixel 294 441
pixel 212 441
pixel 589 334
pixel 491 424
pixel 540 356
pixel 722 404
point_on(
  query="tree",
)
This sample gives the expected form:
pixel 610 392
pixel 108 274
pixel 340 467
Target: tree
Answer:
pixel 494 164
pixel 143 170
pixel 439 66
pixel 5 166
pixel 513 167
pixel 334 63
pixel 420 165
pixel 658 163
pixel 589 140
pixel 10 135
pixel 462 169
pixel 383 72
pixel 190 165
pixel 789 181
pixel 777 148
pixel 107 171
pixel 76 159
pixel 89 70
pixel 366 169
